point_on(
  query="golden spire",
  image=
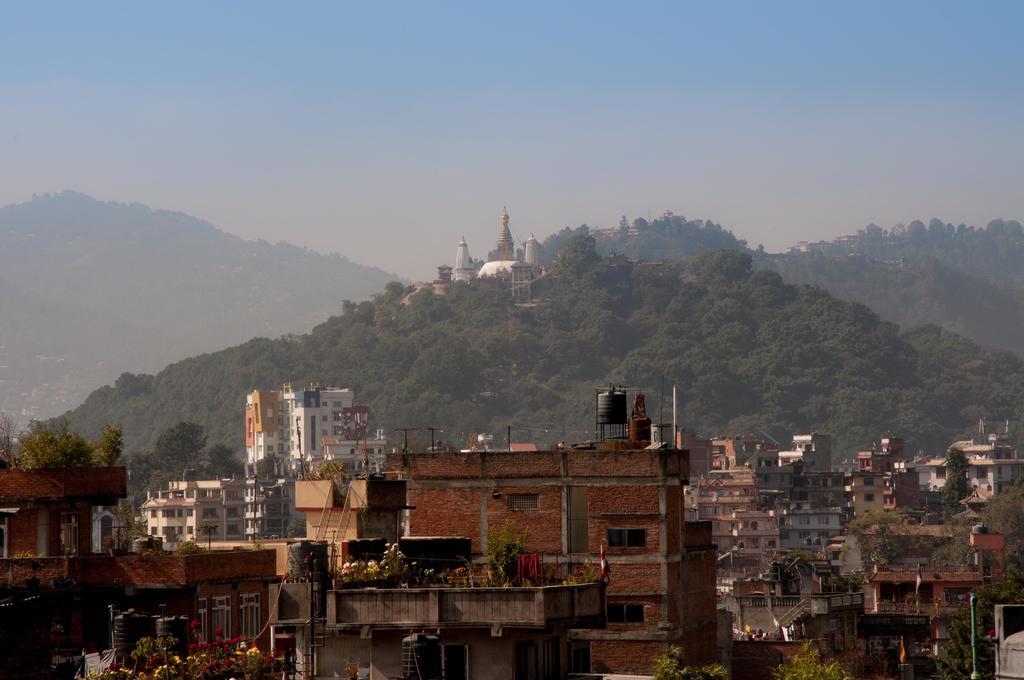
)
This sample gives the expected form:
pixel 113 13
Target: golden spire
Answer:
pixel 506 246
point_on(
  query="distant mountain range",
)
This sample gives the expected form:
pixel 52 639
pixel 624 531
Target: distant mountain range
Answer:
pixel 91 289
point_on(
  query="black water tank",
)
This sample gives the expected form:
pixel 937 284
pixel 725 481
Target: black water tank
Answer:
pixel 611 408
pixel 305 557
pixel 421 657
pixel 129 628
pixel 176 627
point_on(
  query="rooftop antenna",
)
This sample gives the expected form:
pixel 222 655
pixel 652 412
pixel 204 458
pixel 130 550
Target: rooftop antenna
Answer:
pixel 661 403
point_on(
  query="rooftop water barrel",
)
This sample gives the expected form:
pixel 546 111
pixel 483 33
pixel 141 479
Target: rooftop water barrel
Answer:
pixel 421 657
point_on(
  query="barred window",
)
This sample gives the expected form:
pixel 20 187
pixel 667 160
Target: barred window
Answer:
pixel 222 616
pixel 522 501
pixel 627 538
pixel 625 613
pixel 249 611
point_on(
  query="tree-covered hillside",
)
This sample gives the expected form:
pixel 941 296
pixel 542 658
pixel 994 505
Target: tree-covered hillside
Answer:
pixel 916 292
pixel 747 351
pixel 994 252
pixel 670 238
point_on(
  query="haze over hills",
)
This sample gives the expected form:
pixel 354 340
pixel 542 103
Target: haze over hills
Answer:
pixel 748 351
pixel 90 289
pixel 965 279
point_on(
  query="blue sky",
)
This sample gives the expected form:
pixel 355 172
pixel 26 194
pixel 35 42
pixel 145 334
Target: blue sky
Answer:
pixel 387 131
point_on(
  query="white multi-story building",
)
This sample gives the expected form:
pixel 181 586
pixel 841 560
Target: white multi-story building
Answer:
pixel 298 427
pixel 992 463
pixel 220 510
pixel 201 510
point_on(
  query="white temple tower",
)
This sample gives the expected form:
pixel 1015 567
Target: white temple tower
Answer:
pixel 463 263
pixel 531 254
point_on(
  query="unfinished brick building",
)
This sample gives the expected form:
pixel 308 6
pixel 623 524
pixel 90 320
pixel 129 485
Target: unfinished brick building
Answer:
pixel 51 581
pixel 572 501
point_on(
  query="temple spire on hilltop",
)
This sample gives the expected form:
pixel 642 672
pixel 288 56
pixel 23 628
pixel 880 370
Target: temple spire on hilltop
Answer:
pixel 463 263
pixel 506 246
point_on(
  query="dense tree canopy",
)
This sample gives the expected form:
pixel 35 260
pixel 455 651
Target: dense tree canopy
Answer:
pixel 956 487
pixel 53 446
pixel 746 350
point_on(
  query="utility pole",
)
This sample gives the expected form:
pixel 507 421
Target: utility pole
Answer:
pixel 974 643
pixel 405 437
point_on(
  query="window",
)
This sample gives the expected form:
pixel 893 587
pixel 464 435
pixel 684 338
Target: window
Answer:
pixel 188 512
pixel 188 529
pixel 210 513
pixel 204 630
pixel 323 418
pixel 232 512
pixel 232 529
pixel 69 533
pixel 551 661
pixel 625 613
pixel 578 519
pixel 249 615
pixel 3 538
pixel 522 501
pixel 869 497
pixel 152 513
pixel 627 538
pixel 222 616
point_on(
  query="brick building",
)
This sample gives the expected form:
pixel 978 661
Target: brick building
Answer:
pixel 48 560
pixel 571 501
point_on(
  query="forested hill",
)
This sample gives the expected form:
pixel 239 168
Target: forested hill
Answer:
pixel 994 252
pixel 965 279
pixel 914 292
pixel 668 238
pixel 125 287
pixel 747 351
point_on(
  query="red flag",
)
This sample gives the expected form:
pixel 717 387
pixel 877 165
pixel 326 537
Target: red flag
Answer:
pixel 605 569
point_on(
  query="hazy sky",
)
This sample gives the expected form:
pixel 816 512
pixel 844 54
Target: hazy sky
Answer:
pixel 386 131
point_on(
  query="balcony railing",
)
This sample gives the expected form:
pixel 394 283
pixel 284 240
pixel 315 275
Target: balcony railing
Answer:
pixel 402 608
pixel 934 608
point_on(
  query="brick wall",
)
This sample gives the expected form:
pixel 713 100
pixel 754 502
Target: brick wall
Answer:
pixel 32 485
pixel 756 660
pixel 446 512
pixel 543 525
pixel 141 569
pixel 625 656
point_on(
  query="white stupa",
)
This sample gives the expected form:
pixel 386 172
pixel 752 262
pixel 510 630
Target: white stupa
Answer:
pixel 506 252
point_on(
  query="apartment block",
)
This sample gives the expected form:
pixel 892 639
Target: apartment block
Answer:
pixel 220 510
pixel 297 427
